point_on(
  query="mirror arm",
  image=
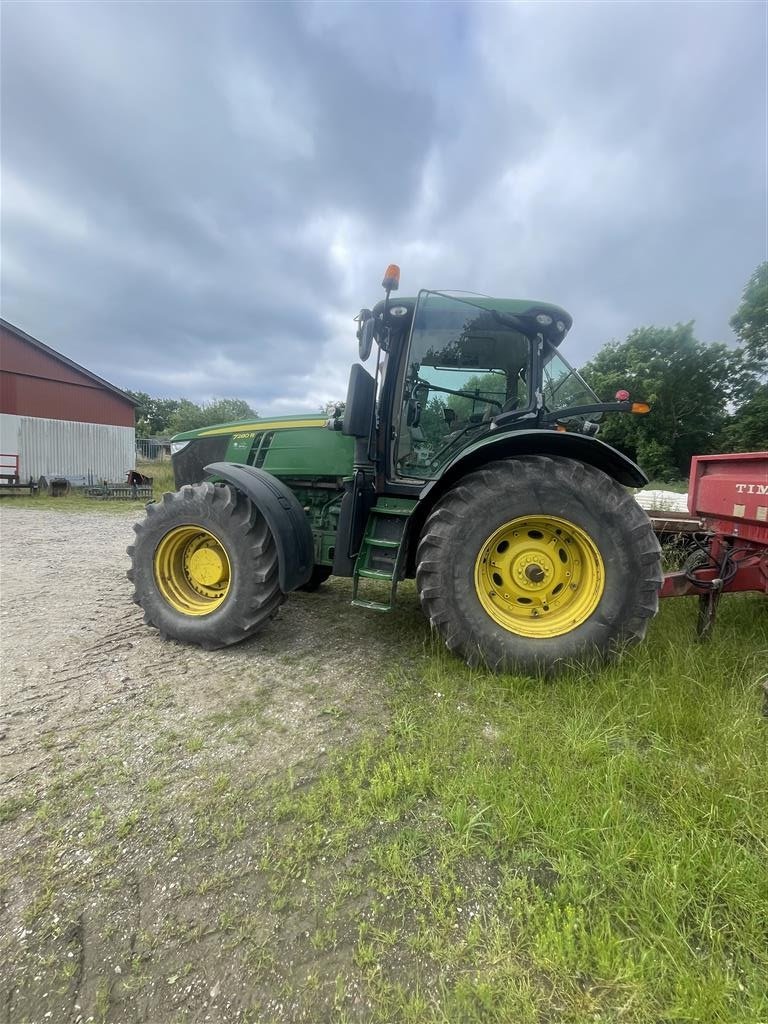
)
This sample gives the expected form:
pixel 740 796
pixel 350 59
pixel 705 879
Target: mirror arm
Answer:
pixel 585 410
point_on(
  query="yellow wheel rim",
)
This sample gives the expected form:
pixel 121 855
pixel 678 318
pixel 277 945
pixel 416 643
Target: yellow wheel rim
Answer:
pixel 192 570
pixel 539 576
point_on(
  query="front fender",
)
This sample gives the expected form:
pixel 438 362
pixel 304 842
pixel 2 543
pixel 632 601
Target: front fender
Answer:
pixel 284 515
pixel 540 442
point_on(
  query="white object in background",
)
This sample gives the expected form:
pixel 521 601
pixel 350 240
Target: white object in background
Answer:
pixel 662 501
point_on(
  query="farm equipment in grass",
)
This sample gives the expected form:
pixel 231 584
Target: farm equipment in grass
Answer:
pixel 729 494
pixel 467 460
pixel 10 478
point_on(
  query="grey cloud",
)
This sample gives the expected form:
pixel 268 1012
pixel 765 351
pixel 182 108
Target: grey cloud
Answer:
pixel 198 197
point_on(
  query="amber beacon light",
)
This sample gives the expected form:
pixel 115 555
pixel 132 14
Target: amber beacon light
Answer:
pixel 391 280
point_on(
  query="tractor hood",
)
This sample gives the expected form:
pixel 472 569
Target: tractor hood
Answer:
pixel 286 446
pixel 301 419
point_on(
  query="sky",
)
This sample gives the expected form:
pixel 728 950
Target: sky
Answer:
pixel 197 198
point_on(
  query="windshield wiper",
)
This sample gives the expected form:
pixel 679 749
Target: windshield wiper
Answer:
pixel 460 394
pixel 459 434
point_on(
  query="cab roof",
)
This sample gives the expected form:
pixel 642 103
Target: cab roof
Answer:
pixel 515 307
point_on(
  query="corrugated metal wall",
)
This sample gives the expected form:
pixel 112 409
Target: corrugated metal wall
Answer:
pixel 62 447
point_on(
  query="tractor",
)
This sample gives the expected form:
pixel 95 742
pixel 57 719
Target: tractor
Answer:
pixel 468 460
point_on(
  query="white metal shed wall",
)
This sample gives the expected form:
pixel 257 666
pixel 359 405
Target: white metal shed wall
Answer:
pixel 63 447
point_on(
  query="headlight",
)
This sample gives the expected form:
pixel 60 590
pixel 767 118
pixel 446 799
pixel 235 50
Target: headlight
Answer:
pixel 177 446
pixel 543 319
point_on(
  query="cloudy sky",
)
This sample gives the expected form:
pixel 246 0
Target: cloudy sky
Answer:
pixel 196 199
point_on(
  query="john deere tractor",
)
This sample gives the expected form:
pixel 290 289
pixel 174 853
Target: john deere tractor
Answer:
pixel 467 459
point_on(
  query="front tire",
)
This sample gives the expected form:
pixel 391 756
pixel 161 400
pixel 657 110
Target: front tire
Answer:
pixel 535 563
pixel 204 566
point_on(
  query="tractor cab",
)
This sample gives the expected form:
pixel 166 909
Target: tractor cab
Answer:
pixel 466 363
pixel 453 369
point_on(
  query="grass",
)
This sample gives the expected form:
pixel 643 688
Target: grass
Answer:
pixel 76 501
pixel 679 486
pixel 593 849
pixel 506 850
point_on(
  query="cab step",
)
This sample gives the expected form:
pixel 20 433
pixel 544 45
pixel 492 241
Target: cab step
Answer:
pixel 380 554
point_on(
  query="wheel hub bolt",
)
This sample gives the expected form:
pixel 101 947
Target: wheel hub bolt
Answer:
pixel 534 573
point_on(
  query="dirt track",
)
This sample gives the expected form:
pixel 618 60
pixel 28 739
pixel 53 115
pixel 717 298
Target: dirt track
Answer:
pixel 97 709
pixel 74 646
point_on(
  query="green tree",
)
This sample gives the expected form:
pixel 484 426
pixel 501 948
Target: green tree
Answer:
pixel 750 321
pixel 484 386
pixel 153 415
pixel 747 429
pixel 190 416
pixel 433 424
pixel 330 407
pixel 688 385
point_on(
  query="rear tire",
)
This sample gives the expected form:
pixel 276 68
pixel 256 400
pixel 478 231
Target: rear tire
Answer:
pixel 539 604
pixel 232 588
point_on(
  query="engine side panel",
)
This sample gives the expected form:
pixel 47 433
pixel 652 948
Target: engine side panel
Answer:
pixel 309 458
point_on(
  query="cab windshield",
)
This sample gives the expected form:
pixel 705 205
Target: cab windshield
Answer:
pixel 465 366
pixel 563 388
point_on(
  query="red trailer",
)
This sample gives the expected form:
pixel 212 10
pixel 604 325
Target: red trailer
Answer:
pixel 729 493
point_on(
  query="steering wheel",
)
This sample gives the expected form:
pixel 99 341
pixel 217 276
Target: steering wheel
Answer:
pixel 509 406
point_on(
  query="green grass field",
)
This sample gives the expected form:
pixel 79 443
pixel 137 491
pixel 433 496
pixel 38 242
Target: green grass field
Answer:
pixel 591 849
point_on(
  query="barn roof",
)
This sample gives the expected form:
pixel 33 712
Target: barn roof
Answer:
pixel 63 359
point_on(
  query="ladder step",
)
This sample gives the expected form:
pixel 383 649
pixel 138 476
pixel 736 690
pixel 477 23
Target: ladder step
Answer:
pixel 377 606
pixel 376 543
pixel 374 574
pixel 390 511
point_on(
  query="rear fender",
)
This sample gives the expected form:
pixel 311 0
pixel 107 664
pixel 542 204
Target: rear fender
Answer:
pixel 284 515
pixel 540 442
pixel 554 443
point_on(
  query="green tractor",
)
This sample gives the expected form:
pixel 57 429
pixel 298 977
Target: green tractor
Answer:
pixel 468 460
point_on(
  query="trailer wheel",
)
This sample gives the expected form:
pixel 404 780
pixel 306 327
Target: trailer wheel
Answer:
pixel 204 566
pixel 535 563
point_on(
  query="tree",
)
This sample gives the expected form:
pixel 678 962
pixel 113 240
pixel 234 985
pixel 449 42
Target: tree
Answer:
pixel 329 408
pixel 152 414
pixel 435 427
pixel 747 429
pixel 750 321
pixel 688 385
pixel 190 416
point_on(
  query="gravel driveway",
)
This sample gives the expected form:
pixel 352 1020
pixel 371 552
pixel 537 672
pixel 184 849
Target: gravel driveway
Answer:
pixel 74 646
pixel 113 741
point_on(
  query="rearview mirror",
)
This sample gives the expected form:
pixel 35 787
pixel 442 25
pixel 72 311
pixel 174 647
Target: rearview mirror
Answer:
pixel 361 400
pixel 365 338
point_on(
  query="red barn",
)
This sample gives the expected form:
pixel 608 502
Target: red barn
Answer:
pixel 59 418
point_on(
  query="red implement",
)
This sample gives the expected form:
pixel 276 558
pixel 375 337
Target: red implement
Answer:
pixel 729 493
